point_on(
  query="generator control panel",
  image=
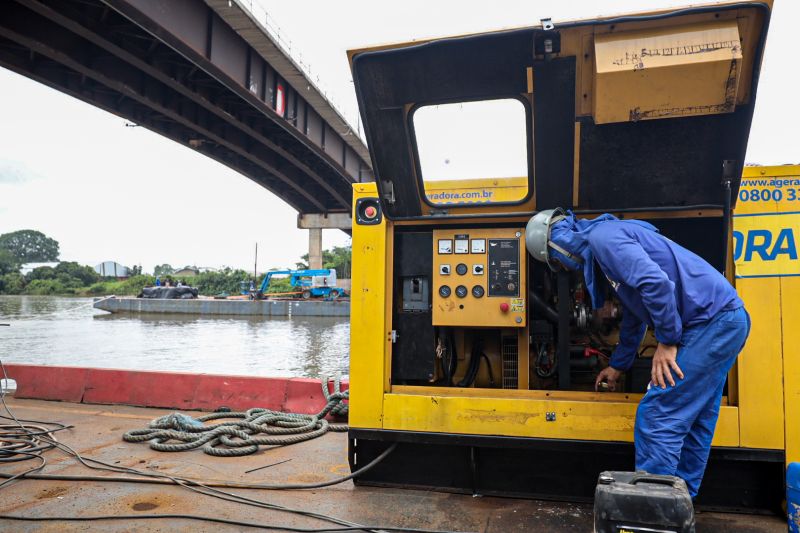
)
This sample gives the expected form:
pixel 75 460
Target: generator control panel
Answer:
pixel 479 277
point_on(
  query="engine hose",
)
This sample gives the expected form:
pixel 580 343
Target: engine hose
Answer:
pixel 442 350
pixel 540 305
pixel 474 365
pixel 452 355
pixel 489 368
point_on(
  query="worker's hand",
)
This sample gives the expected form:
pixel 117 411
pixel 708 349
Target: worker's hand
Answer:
pixel 664 362
pixel 610 375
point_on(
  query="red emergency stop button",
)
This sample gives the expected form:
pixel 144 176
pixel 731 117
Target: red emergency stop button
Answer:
pixel 504 307
pixel 370 212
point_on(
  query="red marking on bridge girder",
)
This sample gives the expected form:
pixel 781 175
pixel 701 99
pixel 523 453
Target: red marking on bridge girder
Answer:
pixel 172 390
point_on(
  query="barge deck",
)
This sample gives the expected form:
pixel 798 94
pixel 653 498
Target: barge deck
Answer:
pixel 97 434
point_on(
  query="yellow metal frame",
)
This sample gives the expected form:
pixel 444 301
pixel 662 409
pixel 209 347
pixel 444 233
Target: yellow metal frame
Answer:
pixel 768 368
pixel 764 410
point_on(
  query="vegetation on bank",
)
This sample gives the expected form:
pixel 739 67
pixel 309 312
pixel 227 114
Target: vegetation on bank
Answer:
pixel 69 278
pixel 48 281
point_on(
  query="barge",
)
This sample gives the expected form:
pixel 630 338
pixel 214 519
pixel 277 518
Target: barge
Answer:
pixel 211 306
pixel 69 490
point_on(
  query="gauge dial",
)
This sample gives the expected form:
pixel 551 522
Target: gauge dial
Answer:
pixel 462 246
pixel 444 291
pixel 478 246
pixel 461 291
pixel 445 246
pixel 461 269
pixel 477 291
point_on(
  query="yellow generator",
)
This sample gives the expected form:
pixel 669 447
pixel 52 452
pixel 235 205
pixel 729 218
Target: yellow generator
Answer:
pixel 479 364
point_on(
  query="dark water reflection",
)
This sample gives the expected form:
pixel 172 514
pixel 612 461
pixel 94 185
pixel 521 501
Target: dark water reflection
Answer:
pixel 68 331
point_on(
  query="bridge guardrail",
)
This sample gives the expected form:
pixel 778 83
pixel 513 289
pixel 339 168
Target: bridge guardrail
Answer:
pixel 271 28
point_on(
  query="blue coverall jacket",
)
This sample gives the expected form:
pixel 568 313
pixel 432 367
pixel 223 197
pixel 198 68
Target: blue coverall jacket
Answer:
pixel 686 302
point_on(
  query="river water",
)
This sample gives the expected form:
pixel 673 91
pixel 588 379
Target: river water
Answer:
pixel 49 330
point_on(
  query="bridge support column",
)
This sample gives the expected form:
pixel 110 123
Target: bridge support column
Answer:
pixel 315 223
pixel 315 248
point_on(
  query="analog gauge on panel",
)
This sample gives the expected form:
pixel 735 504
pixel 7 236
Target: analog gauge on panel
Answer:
pixel 478 246
pixel 461 269
pixel 477 291
pixel 444 291
pixel 462 246
pixel 461 291
pixel 445 246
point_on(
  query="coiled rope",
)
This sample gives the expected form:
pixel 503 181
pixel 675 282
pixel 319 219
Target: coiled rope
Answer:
pixel 256 427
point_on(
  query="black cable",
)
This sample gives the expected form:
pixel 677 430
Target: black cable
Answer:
pixel 204 519
pixel 154 477
pixel 452 357
pixel 474 365
pixel 443 342
pixel 489 368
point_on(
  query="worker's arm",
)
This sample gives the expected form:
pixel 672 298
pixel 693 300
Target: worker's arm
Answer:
pixel 631 333
pixel 624 260
pixel 630 336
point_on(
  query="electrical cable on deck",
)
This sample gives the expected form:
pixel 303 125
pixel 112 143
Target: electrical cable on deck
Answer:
pixel 207 489
pixel 258 427
pixel 214 519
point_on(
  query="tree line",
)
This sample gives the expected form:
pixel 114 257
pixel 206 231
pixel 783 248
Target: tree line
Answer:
pixel 71 278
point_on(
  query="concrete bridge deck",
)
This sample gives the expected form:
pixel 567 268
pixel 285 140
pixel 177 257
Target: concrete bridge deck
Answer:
pixel 205 74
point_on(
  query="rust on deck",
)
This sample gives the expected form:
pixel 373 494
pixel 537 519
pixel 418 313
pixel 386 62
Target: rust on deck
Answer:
pixel 98 431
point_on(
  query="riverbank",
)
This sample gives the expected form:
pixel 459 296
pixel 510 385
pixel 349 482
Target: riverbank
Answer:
pixel 207 283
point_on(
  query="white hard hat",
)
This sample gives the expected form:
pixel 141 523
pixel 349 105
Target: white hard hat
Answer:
pixel 537 236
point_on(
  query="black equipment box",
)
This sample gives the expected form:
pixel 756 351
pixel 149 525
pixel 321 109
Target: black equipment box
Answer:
pixel 638 502
pixel 169 293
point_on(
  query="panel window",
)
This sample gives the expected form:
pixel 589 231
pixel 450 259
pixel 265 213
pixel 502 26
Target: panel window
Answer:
pixel 473 152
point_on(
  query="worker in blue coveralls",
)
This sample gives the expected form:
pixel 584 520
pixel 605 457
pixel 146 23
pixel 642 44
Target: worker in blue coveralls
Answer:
pixel 699 321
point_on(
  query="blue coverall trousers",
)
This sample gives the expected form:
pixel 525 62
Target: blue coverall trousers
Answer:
pixel 674 426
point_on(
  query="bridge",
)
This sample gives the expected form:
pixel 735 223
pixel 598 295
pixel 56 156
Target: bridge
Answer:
pixel 206 74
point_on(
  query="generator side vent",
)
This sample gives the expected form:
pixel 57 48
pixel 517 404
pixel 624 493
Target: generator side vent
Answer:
pixel 510 353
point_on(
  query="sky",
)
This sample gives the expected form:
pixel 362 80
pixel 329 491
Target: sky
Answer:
pixel 109 191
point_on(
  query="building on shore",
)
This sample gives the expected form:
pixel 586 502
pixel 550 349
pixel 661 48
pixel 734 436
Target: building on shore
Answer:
pixel 111 269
